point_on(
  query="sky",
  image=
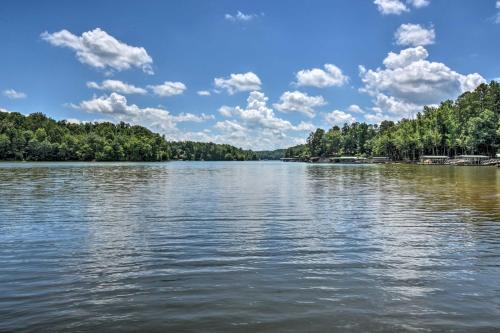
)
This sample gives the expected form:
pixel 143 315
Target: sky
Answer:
pixel 254 74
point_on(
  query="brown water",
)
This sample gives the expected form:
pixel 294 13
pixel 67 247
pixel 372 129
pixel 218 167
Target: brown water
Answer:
pixel 248 247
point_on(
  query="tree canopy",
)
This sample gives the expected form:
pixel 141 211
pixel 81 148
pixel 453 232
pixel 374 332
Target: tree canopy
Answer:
pixel 39 138
pixel 468 125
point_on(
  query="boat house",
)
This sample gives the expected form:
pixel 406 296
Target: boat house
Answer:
pixel 347 159
pixel 433 159
pixel 380 159
pixel 472 159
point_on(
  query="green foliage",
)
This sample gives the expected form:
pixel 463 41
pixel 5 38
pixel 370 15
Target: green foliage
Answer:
pixel 469 125
pixel 39 138
pixel 271 154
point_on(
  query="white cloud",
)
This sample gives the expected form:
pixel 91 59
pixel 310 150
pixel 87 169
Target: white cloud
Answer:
pixel 74 121
pixel 411 78
pixel 296 101
pixel 409 81
pixel 390 6
pixel 258 115
pixel 4 110
pixel 168 88
pixel 355 109
pixel 316 77
pixel 226 111
pixel 229 125
pixel 238 82
pixel 377 118
pixel 398 7
pixel 115 108
pixel 190 117
pixel 419 3
pixel 240 17
pixel 98 49
pixel 305 126
pixel 203 92
pixel 256 126
pixel 392 105
pixel 414 35
pixel 405 57
pixel 117 86
pixel 13 94
pixel 338 118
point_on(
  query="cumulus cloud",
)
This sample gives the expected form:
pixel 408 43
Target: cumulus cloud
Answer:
pixel 409 81
pixel 414 35
pixel 316 77
pixel 390 6
pixel 238 82
pixel 226 111
pixel 203 93
pixel 256 126
pixel 117 86
pixel 115 107
pixel 100 50
pixel 410 77
pixel 296 101
pixel 377 118
pixel 229 125
pixel 74 121
pixel 355 109
pixel 395 107
pixel 195 118
pixel 398 7
pixel 258 115
pixel 13 94
pixel 240 17
pixel 405 57
pixel 168 88
pixel 339 118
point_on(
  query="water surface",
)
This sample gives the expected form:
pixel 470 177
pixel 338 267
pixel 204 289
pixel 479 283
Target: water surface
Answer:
pixel 248 247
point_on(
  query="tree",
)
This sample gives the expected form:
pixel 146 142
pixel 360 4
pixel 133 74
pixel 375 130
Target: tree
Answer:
pixel 4 146
pixel 315 142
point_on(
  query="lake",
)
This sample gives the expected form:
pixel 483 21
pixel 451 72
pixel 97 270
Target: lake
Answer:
pixel 248 247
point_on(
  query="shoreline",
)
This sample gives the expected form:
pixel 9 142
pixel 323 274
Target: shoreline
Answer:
pixel 491 163
pixel 496 163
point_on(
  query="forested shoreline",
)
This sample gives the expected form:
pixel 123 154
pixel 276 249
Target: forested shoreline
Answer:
pixel 468 125
pixel 39 138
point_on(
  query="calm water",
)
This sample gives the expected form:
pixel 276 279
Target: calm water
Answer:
pixel 248 247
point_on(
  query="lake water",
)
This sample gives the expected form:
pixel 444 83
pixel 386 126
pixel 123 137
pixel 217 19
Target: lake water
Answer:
pixel 248 247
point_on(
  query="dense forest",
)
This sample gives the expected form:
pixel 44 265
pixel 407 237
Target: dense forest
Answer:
pixel 468 125
pixel 270 154
pixel 39 138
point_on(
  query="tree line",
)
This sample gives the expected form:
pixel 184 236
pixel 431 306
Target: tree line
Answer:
pixel 468 125
pixel 39 138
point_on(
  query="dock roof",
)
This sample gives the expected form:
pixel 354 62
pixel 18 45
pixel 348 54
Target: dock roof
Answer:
pixel 434 156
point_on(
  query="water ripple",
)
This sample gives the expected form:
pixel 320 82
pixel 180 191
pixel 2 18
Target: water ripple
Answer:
pixel 247 247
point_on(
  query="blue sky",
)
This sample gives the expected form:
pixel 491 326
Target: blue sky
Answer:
pixel 256 74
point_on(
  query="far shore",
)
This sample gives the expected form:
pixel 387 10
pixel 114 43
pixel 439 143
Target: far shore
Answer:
pixel 451 162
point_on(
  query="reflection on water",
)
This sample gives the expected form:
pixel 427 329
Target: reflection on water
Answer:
pixel 250 246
